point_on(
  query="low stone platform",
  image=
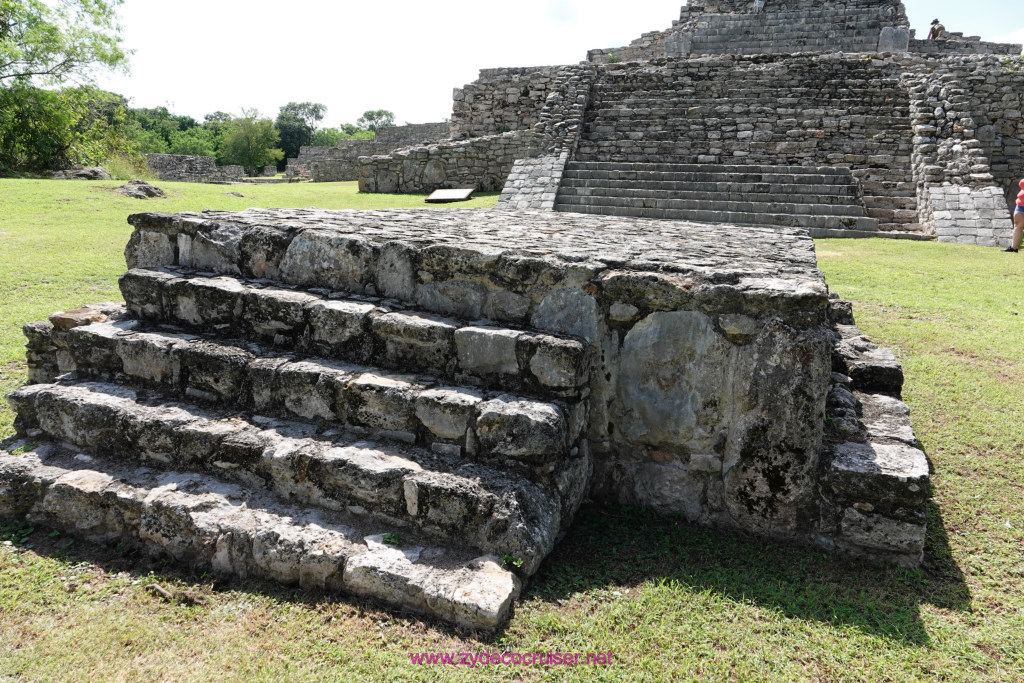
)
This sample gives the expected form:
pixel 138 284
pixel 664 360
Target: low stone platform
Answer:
pixel 416 403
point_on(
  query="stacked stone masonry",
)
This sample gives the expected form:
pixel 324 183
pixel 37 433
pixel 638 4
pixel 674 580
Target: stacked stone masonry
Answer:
pixel 413 134
pixel 459 382
pixel 479 163
pixel 192 169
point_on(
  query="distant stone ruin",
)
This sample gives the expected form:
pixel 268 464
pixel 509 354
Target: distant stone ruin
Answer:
pixel 192 169
pixel 828 116
pixel 340 163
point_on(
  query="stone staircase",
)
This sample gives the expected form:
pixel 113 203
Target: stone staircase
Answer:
pixel 239 421
pixel 808 116
pixel 825 201
pixel 412 405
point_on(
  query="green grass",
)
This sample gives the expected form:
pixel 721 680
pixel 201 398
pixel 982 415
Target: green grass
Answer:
pixel 671 601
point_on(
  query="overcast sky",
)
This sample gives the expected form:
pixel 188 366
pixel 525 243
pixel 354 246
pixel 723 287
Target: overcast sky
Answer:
pixel 201 56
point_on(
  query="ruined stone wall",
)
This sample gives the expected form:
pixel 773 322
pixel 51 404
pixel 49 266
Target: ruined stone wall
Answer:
pixel 192 169
pixel 302 165
pixel 533 183
pixel 945 48
pixel 645 48
pixel 501 101
pixel 969 125
pixel 412 134
pixel 486 162
pixel 481 163
pixel 341 163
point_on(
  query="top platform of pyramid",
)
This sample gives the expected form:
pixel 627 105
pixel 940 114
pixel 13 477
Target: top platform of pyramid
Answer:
pixel 752 27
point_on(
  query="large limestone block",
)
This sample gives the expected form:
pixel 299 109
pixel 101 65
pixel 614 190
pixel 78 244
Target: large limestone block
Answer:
pixel 326 258
pixel 674 381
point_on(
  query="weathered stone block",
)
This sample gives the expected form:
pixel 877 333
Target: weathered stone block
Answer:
pixel 487 351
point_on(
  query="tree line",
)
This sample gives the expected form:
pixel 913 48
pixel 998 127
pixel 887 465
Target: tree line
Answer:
pixel 52 117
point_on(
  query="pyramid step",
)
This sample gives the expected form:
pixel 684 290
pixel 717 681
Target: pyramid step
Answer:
pixel 528 436
pixel 705 168
pixel 792 192
pixel 736 203
pixel 402 485
pixel 813 224
pixel 362 331
pixel 239 531
pixel 826 182
pixel 736 176
pixel 752 192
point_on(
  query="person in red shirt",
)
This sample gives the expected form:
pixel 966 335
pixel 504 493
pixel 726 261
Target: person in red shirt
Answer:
pixel 1018 220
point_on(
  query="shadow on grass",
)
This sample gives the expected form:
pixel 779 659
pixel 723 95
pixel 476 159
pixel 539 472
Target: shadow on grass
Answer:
pixel 626 547
pixel 618 546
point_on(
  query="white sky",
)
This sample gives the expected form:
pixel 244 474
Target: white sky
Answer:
pixel 201 56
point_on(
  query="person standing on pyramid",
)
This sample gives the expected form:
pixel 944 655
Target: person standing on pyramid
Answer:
pixel 1018 220
pixel 937 31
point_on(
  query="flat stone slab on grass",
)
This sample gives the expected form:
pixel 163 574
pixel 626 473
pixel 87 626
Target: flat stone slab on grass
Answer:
pixel 447 196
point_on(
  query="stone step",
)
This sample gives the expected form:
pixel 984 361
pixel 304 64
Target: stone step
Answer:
pixel 462 264
pixel 667 200
pixel 819 194
pixel 429 492
pixel 366 330
pixel 759 153
pixel 817 226
pixel 753 193
pixel 737 175
pixel 239 531
pixel 528 436
pixel 676 102
pixel 578 167
pixel 681 112
pixel 771 34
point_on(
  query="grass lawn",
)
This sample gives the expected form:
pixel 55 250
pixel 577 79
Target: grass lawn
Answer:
pixel 670 600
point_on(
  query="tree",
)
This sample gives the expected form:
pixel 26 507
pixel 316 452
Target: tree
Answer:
pixel 327 137
pixel 58 40
pixel 251 142
pixel 194 141
pixel 49 129
pixel 297 122
pixel 376 119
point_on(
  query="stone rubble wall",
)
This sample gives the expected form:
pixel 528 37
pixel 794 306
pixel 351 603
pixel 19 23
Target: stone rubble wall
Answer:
pixel 413 134
pixel 945 48
pixel 341 163
pixel 533 183
pixel 192 169
pixel 501 101
pixel 968 114
pixel 482 163
pixel 302 165
pixel 486 162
